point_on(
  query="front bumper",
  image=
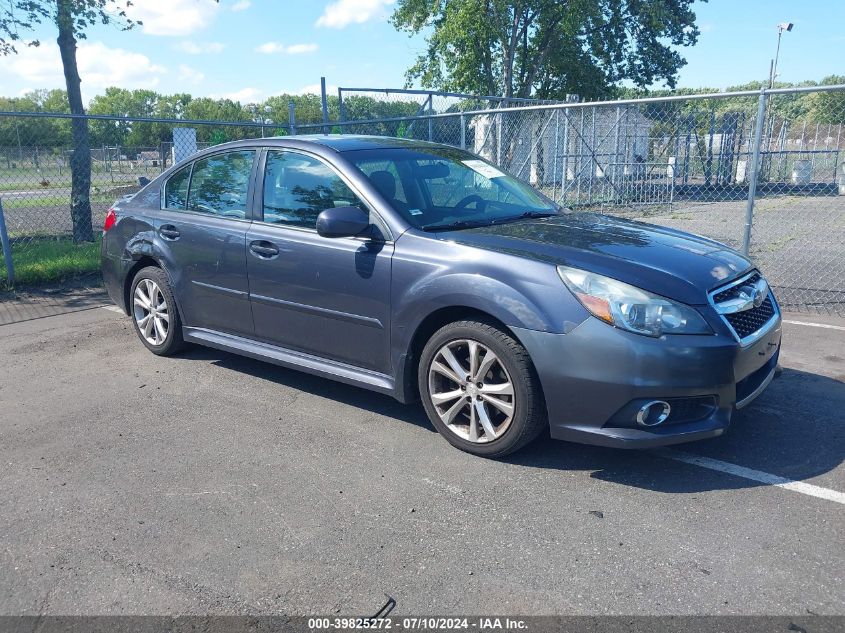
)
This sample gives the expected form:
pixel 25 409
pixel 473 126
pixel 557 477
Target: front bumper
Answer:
pixel 595 377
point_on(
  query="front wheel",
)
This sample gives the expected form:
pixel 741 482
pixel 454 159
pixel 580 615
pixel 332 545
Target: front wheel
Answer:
pixel 480 390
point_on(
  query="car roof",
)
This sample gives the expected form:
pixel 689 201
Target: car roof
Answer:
pixel 352 142
pixel 338 142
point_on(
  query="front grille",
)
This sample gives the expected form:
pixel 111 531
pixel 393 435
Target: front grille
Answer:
pixel 733 291
pixel 747 322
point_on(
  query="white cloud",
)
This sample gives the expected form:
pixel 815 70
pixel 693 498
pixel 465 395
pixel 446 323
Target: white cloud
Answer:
pixel 341 13
pixel 99 66
pixel 173 17
pixel 245 95
pixel 299 49
pixel 270 48
pixel 200 48
pixel 241 5
pixel 192 75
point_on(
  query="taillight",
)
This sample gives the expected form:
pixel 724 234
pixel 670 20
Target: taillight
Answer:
pixel 111 220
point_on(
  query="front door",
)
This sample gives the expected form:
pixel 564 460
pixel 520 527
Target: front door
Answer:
pixel 203 236
pixel 325 296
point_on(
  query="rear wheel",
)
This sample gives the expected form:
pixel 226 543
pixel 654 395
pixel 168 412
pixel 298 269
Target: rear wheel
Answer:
pixel 154 312
pixel 480 389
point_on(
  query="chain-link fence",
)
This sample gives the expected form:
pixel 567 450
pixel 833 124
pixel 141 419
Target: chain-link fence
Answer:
pixel 356 104
pixel 763 172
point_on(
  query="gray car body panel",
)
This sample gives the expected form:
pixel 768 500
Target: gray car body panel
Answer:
pixel 349 308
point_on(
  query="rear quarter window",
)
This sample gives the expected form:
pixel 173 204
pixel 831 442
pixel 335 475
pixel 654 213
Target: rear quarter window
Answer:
pixel 176 189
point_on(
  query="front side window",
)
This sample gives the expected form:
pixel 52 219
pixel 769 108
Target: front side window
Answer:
pixel 383 174
pixel 176 189
pixel 219 184
pixel 297 188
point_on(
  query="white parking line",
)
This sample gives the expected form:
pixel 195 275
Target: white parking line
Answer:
pixel 112 309
pixel 754 475
pixel 822 325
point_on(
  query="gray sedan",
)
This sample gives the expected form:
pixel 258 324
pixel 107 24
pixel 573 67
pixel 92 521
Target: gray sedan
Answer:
pixel 425 272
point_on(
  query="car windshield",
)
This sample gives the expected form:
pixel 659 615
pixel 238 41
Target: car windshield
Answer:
pixel 440 188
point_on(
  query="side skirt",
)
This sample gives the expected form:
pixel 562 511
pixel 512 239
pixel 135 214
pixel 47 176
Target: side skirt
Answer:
pixel 308 363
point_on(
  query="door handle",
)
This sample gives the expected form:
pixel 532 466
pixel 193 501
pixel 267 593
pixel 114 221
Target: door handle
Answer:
pixel 263 249
pixel 169 232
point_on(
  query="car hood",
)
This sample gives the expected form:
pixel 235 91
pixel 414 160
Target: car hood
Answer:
pixel 671 263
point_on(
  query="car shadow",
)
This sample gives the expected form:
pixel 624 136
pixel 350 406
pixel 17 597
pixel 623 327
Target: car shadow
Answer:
pixel 347 394
pixel 794 429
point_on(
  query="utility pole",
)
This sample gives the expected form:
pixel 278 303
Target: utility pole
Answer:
pixel 773 67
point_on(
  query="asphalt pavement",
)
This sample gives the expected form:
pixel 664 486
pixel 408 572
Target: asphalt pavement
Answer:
pixel 210 483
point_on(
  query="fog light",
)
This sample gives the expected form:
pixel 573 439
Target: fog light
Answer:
pixel 653 413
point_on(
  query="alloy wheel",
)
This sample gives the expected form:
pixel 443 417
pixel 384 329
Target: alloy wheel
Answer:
pixel 151 312
pixel 471 391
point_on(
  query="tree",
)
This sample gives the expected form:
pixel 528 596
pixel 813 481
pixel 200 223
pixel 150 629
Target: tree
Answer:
pixel 28 131
pixel 72 18
pixel 829 107
pixel 546 48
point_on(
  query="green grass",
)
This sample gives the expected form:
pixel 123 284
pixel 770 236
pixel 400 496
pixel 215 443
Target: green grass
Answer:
pixel 30 179
pixel 51 260
pixel 58 199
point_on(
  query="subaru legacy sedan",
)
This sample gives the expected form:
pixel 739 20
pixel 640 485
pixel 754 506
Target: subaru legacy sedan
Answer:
pixel 424 272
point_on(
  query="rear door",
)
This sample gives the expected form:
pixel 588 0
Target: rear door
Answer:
pixel 203 233
pixel 325 296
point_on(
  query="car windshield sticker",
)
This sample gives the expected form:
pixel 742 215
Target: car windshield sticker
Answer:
pixel 415 212
pixel 480 167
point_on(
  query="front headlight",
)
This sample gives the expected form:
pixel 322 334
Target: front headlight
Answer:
pixel 631 308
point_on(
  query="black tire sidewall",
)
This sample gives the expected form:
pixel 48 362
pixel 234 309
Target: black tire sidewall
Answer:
pixel 516 362
pixel 173 341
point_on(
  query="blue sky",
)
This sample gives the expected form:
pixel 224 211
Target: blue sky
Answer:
pixel 251 49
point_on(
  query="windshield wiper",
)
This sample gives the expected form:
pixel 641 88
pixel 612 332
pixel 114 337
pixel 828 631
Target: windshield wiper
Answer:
pixel 471 224
pixel 460 224
pixel 524 216
pixel 536 214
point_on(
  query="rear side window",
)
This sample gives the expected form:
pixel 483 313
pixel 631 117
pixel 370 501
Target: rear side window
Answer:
pixel 176 189
pixel 297 188
pixel 219 184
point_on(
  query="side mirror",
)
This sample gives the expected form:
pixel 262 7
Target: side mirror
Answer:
pixel 342 222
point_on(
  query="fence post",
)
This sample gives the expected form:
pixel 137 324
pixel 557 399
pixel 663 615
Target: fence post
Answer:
pixel 616 153
pixel 565 160
pixel 499 139
pixel 325 103
pixel 7 248
pixel 341 114
pixel 430 112
pixel 463 131
pixel 754 172
pixel 292 117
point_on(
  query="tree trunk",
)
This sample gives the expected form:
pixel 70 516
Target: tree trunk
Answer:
pixel 80 160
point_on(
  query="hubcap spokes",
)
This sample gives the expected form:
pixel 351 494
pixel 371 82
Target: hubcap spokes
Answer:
pixel 151 312
pixel 471 391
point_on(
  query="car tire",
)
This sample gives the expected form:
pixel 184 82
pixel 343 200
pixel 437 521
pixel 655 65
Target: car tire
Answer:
pixel 154 312
pixel 503 401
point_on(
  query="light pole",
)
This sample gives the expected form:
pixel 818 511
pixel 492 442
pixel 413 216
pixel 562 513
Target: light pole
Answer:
pixel 773 68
